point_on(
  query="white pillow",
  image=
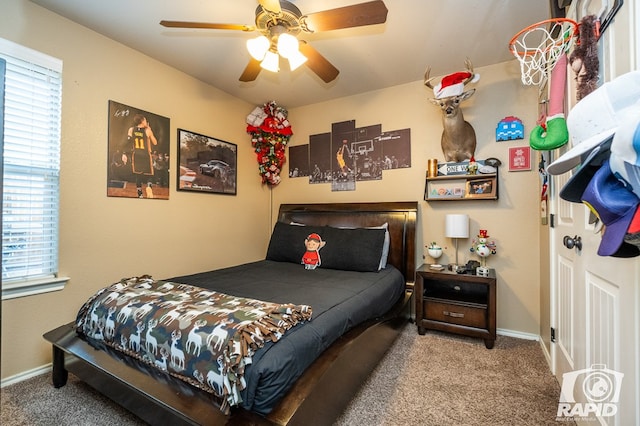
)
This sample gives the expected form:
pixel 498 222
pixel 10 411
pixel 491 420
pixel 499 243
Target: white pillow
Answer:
pixel 385 247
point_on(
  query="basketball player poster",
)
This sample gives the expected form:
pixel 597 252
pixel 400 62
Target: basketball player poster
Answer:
pixel 138 153
pixel 349 154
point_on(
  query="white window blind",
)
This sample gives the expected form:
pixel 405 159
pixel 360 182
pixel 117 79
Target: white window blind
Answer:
pixel 31 167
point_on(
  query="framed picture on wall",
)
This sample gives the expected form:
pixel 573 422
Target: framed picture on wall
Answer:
pixel 444 189
pixel 138 165
pixel 481 188
pixel 206 164
pixel 519 158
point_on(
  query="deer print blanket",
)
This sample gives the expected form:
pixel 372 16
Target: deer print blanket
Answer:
pixel 203 337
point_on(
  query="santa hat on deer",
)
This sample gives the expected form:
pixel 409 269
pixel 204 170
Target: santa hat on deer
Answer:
pixel 453 84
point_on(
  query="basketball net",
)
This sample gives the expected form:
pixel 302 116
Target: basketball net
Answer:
pixel 539 46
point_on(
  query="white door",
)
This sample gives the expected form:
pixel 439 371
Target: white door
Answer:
pixel 568 267
pixel 596 310
pixel 595 300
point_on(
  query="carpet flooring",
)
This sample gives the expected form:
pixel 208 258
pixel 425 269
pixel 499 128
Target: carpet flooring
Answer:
pixel 443 379
pixel 435 379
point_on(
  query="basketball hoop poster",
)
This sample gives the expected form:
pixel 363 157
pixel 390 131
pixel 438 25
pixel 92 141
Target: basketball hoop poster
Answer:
pixel 348 154
pixel 519 158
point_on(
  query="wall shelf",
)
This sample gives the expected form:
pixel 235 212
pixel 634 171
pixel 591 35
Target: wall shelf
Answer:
pixel 462 187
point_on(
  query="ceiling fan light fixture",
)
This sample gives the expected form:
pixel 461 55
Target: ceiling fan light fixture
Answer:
pixel 280 21
pixel 258 47
pixel 271 61
pixel 296 59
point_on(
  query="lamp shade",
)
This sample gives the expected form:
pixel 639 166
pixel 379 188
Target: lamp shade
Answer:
pixel 287 45
pixel 258 47
pixel 296 59
pixel 457 226
pixel 271 61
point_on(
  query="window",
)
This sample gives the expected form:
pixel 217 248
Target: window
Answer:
pixel 30 171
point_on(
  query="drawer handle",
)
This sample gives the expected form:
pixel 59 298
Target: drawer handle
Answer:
pixel 453 314
pixel 456 288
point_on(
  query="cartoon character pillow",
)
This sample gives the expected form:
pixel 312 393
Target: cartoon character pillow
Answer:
pixel 311 257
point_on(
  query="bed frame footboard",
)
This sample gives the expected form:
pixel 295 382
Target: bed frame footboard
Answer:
pixel 318 397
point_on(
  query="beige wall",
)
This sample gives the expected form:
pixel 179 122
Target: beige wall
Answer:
pixel 103 239
pixel 100 243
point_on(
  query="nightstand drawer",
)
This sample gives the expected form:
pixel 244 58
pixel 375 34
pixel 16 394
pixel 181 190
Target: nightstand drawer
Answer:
pixel 455 314
pixel 457 290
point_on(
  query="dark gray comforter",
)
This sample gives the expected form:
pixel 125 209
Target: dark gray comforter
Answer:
pixel 339 299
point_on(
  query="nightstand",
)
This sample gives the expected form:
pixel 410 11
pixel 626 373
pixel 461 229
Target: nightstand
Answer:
pixel 456 303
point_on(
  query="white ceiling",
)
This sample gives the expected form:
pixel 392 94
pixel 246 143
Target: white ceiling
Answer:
pixel 438 33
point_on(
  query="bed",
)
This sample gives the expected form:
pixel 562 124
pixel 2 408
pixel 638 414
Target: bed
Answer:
pixel 321 386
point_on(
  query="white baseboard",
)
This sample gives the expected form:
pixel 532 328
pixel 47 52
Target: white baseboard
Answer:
pixel 547 355
pixel 26 375
pixel 517 334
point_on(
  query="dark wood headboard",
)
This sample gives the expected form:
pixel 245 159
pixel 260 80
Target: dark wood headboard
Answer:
pixel 401 217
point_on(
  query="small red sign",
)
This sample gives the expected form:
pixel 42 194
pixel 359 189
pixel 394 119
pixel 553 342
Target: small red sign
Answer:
pixel 519 158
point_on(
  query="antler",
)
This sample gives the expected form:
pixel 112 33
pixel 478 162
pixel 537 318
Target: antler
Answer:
pixel 427 80
pixel 469 66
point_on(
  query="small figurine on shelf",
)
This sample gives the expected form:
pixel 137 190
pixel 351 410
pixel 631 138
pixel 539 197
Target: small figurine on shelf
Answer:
pixel 434 250
pixel 472 169
pixel 483 248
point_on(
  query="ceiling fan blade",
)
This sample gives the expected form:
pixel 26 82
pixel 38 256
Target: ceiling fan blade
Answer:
pixel 252 70
pixel 357 15
pixel 206 25
pixel 272 6
pixel 318 63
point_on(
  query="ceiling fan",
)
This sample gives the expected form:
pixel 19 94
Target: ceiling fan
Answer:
pixel 280 21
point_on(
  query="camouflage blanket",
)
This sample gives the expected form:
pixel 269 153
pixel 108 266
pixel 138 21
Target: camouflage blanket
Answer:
pixel 200 336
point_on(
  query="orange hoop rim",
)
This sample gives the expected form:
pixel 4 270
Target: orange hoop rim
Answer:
pixel 538 24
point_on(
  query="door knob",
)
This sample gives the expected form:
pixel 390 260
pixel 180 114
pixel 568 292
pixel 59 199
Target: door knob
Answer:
pixel 570 243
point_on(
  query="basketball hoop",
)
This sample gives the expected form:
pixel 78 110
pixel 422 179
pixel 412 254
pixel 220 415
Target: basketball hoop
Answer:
pixel 539 46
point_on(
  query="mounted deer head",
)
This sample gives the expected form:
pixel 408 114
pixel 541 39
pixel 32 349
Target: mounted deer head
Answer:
pixel 458 137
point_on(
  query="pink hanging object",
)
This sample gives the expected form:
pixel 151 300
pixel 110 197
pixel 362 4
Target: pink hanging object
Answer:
pixel 552 132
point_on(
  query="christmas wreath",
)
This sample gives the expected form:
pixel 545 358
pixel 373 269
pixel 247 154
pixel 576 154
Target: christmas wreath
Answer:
pixel 270 132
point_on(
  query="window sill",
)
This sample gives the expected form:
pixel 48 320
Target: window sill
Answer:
pixel 29 288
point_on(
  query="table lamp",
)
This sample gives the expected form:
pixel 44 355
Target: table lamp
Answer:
pixel 457 226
